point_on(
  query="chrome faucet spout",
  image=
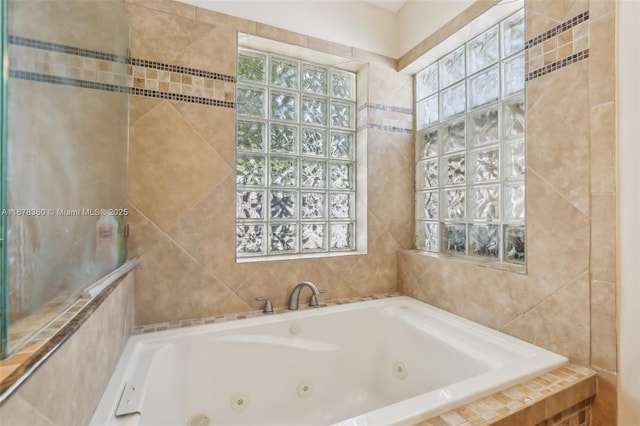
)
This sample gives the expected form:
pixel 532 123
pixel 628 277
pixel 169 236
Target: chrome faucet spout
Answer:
pixel 294 300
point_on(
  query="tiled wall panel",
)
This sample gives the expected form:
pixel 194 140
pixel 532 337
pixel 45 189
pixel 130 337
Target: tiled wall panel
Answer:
pixel 182 161
pixel 566 300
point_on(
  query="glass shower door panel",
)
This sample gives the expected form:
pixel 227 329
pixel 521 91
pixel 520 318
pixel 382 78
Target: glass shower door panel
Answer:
pixel 66 169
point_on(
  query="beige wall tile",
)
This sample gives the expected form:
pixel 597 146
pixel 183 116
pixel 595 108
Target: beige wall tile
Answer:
pixel 603 237
pixel 18 412
pixel 604 411
pixel 153 26
pixel 171 166
pixel 330 47
pixel 603 147
pixel 215 125
pixel 558 150
pixel 213 51
pixel 172 7
pixel 600 8
pixel 285 36
pixel 173 286
pixel 603 325
pixel 560 323
pixel 74 374
pixel 602 51
pixel 211 17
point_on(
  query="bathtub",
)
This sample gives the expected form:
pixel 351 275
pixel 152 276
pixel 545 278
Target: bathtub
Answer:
pixel 380 362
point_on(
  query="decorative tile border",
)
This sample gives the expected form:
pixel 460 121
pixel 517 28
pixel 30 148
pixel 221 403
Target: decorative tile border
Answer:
pixel 557 65
pixel 387 118
pixel 549 399
pixel 59 64
pixel 150 328
pixel 563 45
pixel 559 29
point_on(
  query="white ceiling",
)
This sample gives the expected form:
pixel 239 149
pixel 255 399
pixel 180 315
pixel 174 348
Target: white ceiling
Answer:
pixel 390 5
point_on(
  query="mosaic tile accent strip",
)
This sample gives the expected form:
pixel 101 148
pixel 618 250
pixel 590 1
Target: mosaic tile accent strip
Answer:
pixel 387 118
pixel 58 64
pixel 150 328
pixel 557 65
pixel 568 389
pixel 563 45
pixel 559 29
pixel 53 47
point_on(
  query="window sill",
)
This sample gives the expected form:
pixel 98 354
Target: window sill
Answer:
pixel 298 256
pixel 474 261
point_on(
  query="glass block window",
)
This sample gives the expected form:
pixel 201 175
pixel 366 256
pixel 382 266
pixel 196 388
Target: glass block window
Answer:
pixel 295 157
pixel 470 147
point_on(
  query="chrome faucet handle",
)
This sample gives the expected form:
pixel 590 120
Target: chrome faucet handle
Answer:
pixel 313 302
pixel 268 307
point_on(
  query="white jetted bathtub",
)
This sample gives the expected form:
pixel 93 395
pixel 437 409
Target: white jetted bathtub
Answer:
pixel 380 362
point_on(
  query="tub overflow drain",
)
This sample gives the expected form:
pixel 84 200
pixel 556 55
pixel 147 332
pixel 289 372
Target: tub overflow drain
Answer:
pixel 399 370
pixel 239 402
pixel 199 419
pixel 305 389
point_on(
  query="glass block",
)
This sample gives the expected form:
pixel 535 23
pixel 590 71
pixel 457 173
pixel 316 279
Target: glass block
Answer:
pixel 283 138
pixel 284 73
pixel 513 80
pixel 514 207
pixel 454 135
pixel 314 237
pixel 341 206
pixel 427 175
pixel 427 81
pixel 284 106
pixel 513 117
pixel 313 205
pixel 452 101
pixel 483 50
pixel 342 236
pixel 283 205
pixel 427 111
pixel 314 79
pixel 485 241
pixel 341 176
pixel 251 101
pixel 514 244
pixel 486 202
pixel 314 111
pixel 486 165
pixel 455 238
pixel 250 240
pixel 455 203
pixel 513 34
pixel 342 145
pixel 427 205
pixel 484 87
pixel 484 126
pixel 427 144
pixel 250 135
pixel 428 236
pixel 455 169
pixel 452 67
pixel 249 204
pixel 515 163
pixel 283 171
pixel 313 141
pixel 252 66
pixel 342 115
pixel 313 174
pixel 283 238
pixel 343 85
pixel 250 170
